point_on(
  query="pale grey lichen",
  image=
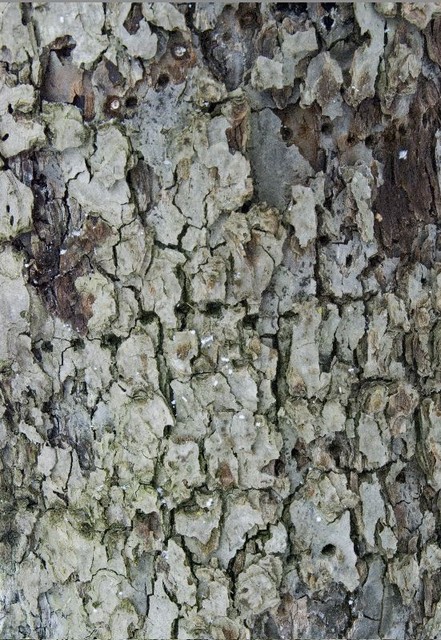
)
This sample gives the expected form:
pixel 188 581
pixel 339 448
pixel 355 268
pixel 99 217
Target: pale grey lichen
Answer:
pixel 220 356
pixel 65 124
pixel 364 66
pixel 322 84
pixel 16 201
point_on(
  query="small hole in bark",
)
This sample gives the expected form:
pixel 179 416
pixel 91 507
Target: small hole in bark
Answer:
pixel 162 81
pixel 328 550
pixel 179 51
pixel 210 107
pixel 65 52
pixel 46 407
pixel 335 450
pixel 250 321
pixel 25 14
pixel 246 206
pixel 77 344
pixel 298 453
pixel 131 102
pixel 5 137
pixel 328 22
pixel 22 242
pixel 147 317
pixel 375 261
pixel 349 261
pixel 63 47
pixel 401 477
pixel 40 180
pixel 286 133
pixel 11 220
pixel 213 309
pixel 10 108
pixel 8 208
pixel 47 346
pixel 110 341
pixel 326 128
pixel 79 102
pixel 279 468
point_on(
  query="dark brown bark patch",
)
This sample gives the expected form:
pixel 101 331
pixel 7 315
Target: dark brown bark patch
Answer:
pixel 409 196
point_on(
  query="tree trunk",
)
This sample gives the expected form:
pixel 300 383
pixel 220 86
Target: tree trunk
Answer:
pixel 220 357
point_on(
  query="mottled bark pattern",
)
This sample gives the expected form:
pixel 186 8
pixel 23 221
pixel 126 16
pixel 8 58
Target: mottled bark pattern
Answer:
pixel 220 356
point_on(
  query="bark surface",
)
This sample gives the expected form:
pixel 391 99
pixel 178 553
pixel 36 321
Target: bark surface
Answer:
pixel 220 349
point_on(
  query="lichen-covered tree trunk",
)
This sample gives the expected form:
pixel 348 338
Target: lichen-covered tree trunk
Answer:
pixel 220 345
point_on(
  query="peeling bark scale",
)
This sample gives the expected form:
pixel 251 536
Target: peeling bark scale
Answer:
pixel 220 348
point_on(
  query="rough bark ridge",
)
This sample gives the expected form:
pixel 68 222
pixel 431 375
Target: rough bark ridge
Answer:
pixel 220 354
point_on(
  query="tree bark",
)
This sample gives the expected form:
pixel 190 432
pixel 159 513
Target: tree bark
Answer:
pixel 220 360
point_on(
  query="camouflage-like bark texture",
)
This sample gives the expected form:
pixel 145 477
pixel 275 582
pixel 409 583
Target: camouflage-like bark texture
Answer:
pixel 220 355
